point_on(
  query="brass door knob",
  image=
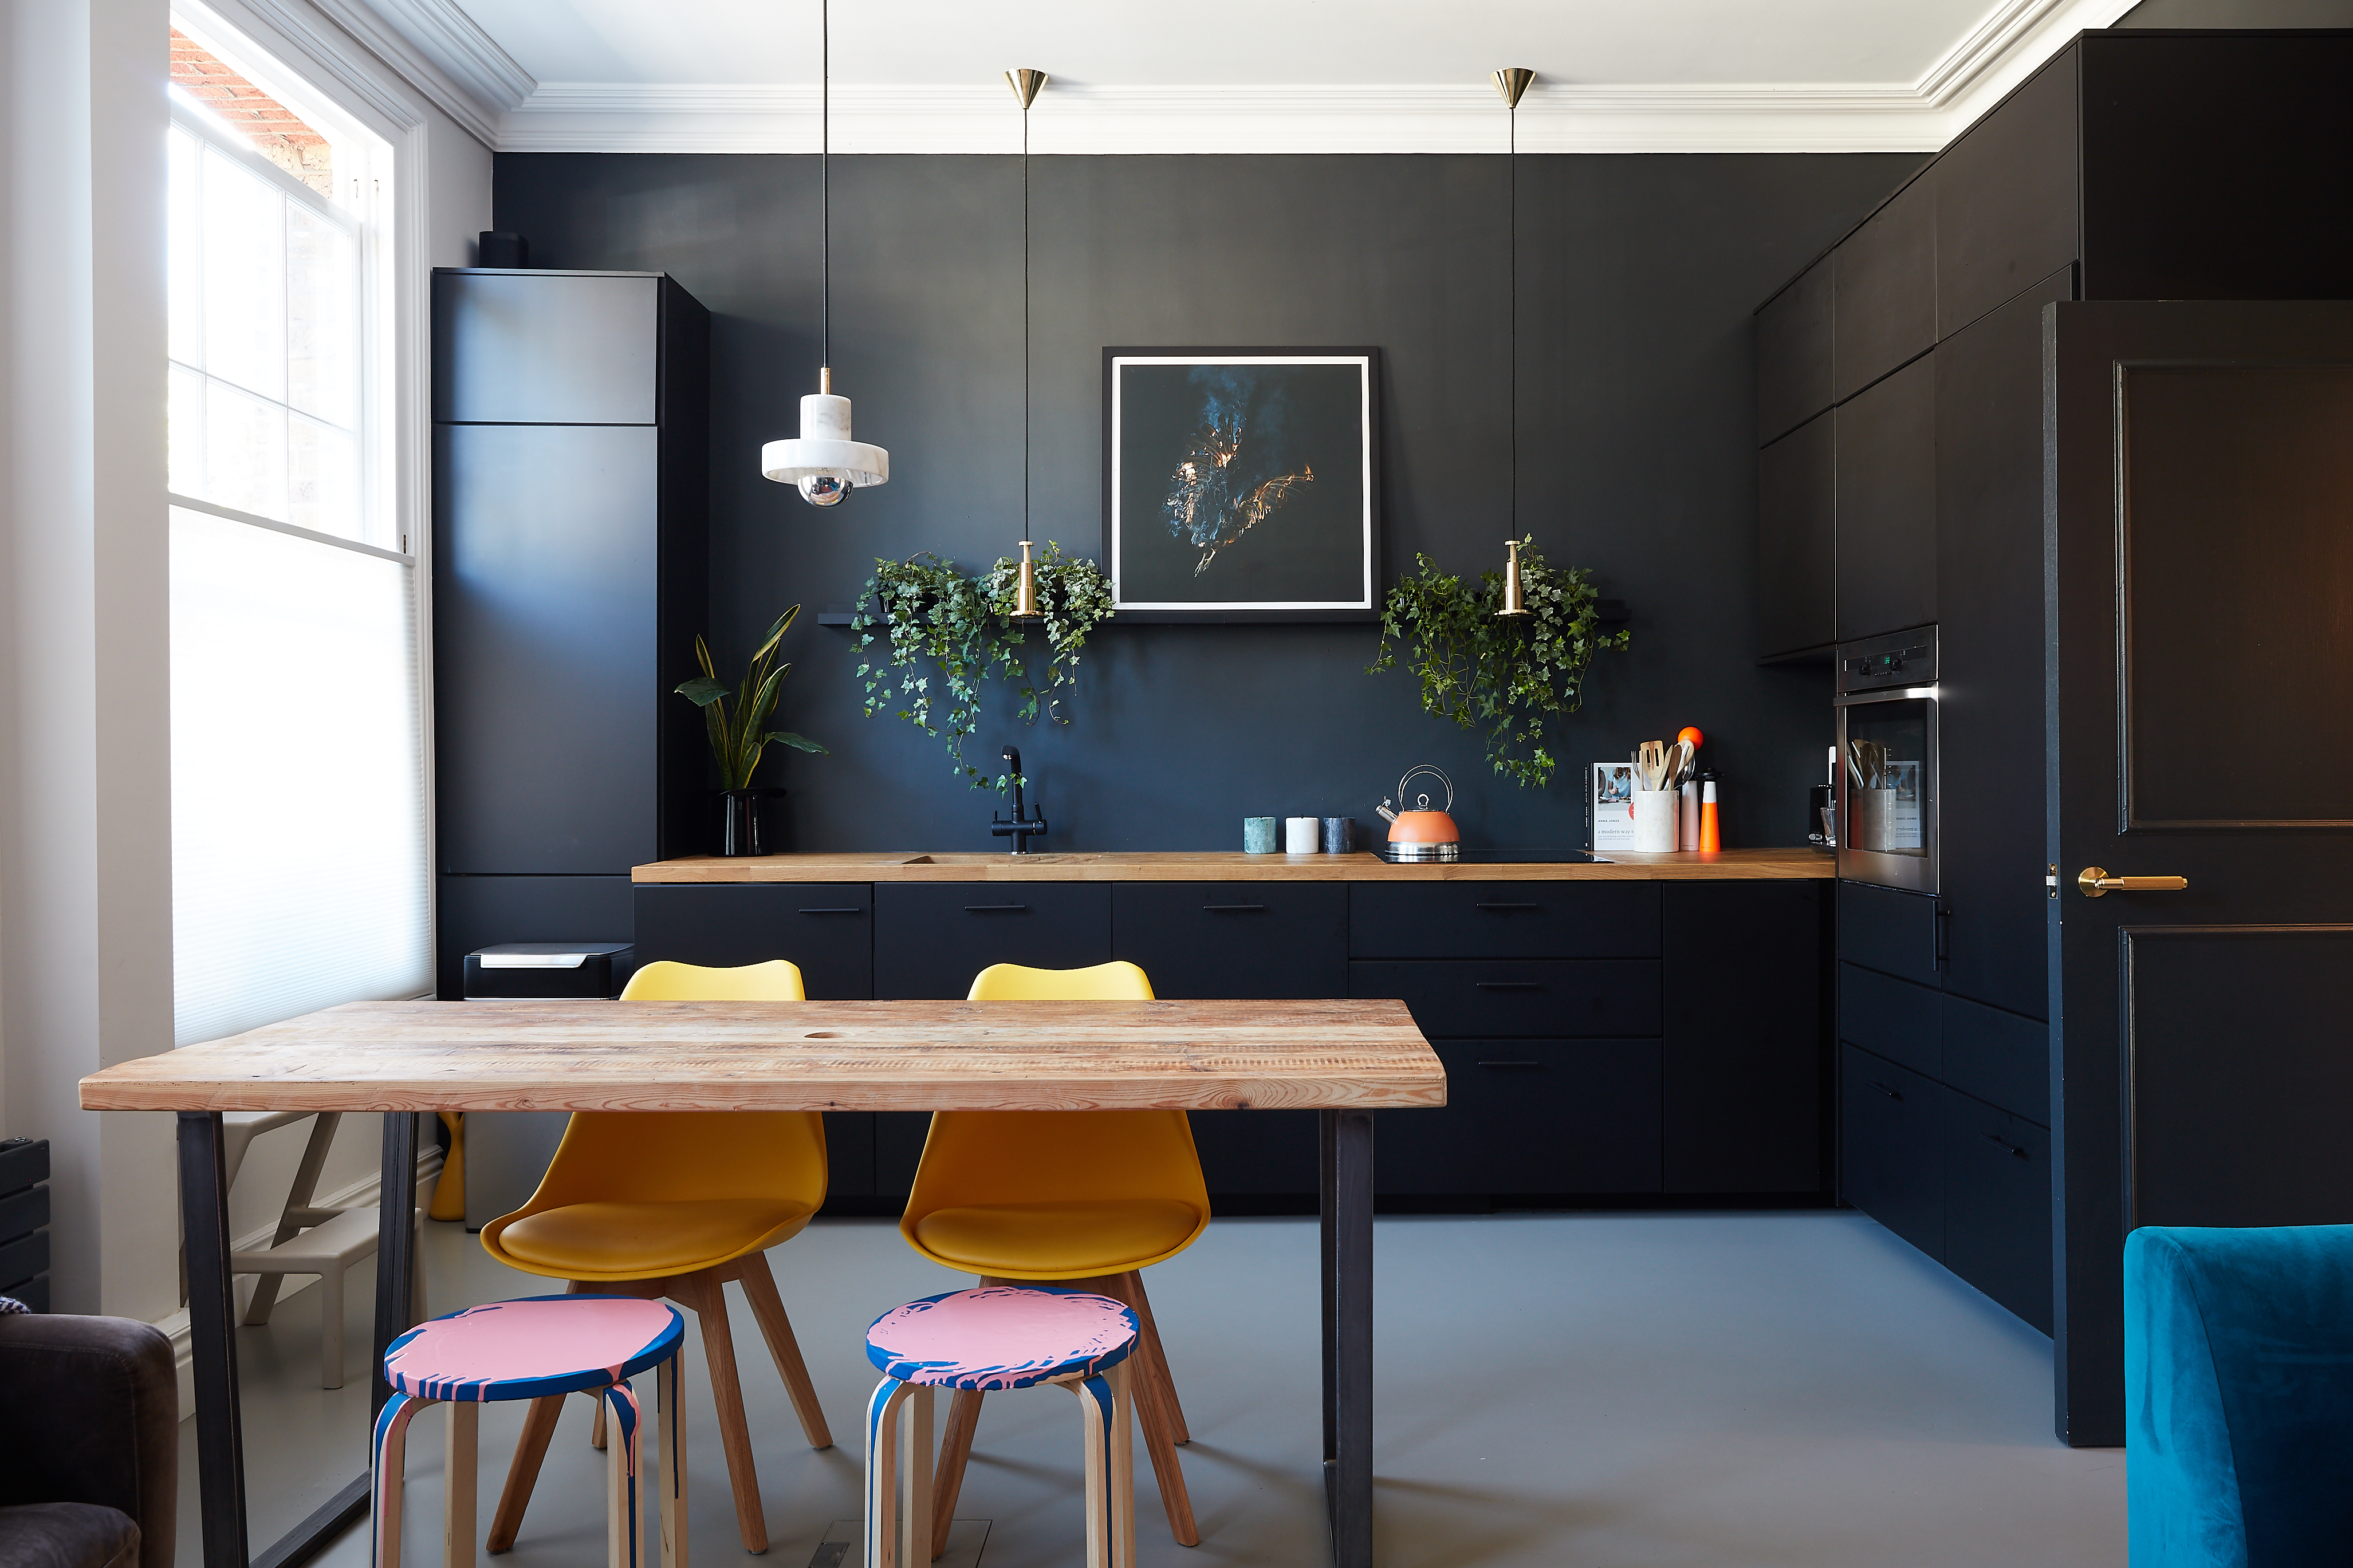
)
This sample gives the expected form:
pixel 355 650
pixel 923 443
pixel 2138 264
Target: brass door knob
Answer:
pixel 2096 883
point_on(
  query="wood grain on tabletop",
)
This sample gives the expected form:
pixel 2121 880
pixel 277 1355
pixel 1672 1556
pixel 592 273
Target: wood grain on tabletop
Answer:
pixel 1799 864
pixel 797 1056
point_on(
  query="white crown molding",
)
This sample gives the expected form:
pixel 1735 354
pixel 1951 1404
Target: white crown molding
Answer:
pixel 444 52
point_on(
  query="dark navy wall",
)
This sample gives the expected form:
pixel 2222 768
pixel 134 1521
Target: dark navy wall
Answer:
pixel 1636 453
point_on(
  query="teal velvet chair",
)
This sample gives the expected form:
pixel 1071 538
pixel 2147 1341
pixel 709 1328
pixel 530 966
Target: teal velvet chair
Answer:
pixel 2238 1397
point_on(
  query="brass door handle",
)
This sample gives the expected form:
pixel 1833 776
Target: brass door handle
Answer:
pixel 2096 883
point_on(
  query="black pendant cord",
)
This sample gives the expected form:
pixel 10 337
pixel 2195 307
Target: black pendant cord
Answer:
pixel 1025 320
pixel 1512 202
pixel 825 176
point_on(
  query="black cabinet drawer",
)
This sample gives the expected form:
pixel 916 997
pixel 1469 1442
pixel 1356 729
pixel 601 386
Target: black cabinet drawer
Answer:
pixel 1254 940
pixel 1891 1147
pixel 1998 1057
pixel 1470 999
pixel 1797 540
pixel 1891 1018
pixel 1888 930
pixel 1504 920
pixel 826 928
pixel 1529 1117
pixel 544 349
pixel 1793 353
pixel 1886 312
pixel 1998 1205
pixel 1887 504
pixel 930 940
pixel 2006 198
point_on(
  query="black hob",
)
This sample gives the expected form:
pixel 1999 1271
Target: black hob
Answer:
pixel 1390 853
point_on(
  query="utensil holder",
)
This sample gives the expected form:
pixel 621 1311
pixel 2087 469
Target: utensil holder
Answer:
pixel 1654 821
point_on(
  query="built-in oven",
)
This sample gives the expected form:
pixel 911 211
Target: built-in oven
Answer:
pixel 1887 706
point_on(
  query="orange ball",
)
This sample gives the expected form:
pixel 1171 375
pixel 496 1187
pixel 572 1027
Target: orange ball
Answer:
pixel 1689 732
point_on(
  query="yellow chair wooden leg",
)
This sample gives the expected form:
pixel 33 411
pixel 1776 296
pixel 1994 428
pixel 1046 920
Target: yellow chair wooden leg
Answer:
pixel 760 1290
pixel 523 1472
pixel 956 1449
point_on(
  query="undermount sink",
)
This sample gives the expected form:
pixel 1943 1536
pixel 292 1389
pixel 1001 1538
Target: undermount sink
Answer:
pixel 997 859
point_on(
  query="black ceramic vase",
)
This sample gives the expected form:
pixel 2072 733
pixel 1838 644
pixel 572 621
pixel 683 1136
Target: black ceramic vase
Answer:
pixel 742 830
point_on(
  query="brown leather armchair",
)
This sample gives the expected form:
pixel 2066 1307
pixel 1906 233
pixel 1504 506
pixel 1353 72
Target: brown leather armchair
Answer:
pixel 89 1444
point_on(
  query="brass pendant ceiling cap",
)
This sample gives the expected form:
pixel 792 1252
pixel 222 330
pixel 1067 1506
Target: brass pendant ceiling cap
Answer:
pixel 1512 82
pixel 1025 84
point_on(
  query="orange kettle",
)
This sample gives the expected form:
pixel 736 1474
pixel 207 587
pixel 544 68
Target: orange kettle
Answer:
pixel 1417 833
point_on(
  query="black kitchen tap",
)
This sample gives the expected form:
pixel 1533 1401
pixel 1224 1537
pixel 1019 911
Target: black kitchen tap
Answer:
pixel 1022 828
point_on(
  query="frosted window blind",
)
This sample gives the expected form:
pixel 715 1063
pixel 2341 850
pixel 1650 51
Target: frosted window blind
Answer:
pixel 299 870
pixel 300 876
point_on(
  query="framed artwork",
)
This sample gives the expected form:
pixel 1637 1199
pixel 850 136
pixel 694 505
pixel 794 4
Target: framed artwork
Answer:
pixel 1240 484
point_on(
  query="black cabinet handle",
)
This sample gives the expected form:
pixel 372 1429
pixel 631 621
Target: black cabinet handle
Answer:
pixel 1883 1089
pixel 1232 909
pixel 1508 906
pixel 1510 1064
pixel 1508 985
pixel 2014 1151
pixel 847 910
pixel 993 909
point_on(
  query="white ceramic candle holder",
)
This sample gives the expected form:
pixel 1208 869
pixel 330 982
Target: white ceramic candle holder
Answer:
pixel 1302 835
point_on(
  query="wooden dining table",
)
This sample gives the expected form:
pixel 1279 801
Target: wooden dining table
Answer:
pixel 1344 1059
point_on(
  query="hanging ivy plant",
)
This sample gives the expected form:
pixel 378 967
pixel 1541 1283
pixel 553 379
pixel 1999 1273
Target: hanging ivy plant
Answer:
pixel 1509 676
pixel 944 624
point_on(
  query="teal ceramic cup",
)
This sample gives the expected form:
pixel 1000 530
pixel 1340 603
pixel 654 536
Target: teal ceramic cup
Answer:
pixel 1262 835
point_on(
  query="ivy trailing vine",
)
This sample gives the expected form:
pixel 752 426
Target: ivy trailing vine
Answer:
pixel 931 613
pixel 1508 676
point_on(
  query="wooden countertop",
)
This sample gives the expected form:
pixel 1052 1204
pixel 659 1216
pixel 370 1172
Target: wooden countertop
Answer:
pixel 1229 866
pixel 797 1056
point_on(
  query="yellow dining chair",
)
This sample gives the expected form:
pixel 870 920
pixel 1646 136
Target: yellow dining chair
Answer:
pixel 676 1204
pixel 1084 1198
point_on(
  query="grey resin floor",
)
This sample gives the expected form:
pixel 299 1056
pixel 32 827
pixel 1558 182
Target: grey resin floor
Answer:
pixel 1589 1389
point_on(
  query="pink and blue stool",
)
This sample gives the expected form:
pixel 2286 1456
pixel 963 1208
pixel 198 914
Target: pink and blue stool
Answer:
pixel 530 1348
pixel 996 1337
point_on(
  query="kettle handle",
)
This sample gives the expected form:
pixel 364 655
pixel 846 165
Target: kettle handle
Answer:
pixel 1433 772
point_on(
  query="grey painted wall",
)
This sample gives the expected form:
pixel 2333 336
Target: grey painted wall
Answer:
pixel 1637 456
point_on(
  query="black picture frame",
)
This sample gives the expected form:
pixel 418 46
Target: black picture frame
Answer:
pixel 1304 579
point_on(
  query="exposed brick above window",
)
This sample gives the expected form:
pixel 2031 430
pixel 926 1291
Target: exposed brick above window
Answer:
pixel 274 129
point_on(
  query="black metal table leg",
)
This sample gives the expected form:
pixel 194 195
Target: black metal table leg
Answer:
pixel 1345 1169
pixel 395 1245
pixel 212 1340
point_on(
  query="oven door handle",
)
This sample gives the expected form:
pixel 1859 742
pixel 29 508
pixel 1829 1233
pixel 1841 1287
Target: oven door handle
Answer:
pixel 1893 694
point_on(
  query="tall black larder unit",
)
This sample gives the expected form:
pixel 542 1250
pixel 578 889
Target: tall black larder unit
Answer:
pixel 570 575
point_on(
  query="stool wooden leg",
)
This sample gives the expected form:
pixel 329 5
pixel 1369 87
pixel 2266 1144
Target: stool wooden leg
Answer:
pixel 391 1456
pixel 956 1449
pixel 915 1478
pixel 1122 1464
pixel 670 1444
pixel 464 1456
pixel 622 1531
pixel 522 1473
pixel 760 1290
pixel 883 1475
pixel 1096 1404
pixel 727 1398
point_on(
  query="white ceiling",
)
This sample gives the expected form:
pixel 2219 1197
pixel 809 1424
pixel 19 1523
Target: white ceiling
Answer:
pixel 1153 76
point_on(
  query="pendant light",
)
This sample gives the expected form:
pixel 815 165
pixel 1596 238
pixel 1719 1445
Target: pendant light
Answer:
pixel 1511 83
pixel 824 462
pixel 1025 84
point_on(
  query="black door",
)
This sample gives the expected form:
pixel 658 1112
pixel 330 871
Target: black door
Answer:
pixel 2201 724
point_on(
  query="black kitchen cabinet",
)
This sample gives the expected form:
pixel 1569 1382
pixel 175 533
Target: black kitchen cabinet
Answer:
pixel 1891 1018
pixel 1254 940
pixel 1525 997
pixel 570 576
pixel 1989 567
pixel 1504 920
pixel 1745 1064
pixel 824 928
pixel 1797 541
pixel 1886 309
pixel 1887 505
pixel 1530 1117
pixel 1892 1147
pixel 1998 1205
pixel 1793 353
pixel 1889 930
pixel 1999 1058
pixel 2006 197
pixel 931 939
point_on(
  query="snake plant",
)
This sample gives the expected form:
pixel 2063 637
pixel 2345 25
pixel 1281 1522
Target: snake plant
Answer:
pixel 740 733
